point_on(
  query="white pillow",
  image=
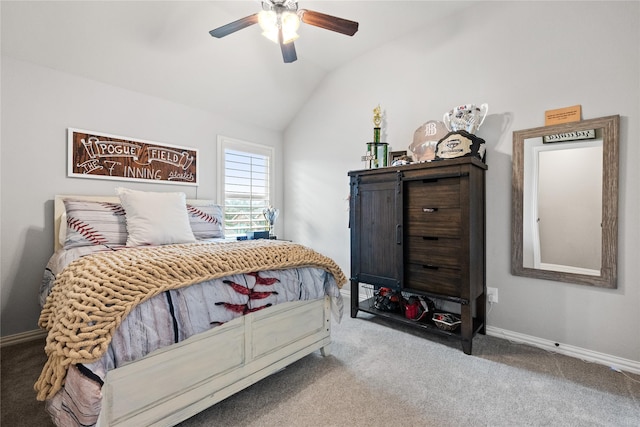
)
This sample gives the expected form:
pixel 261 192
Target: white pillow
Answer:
pixel 155 218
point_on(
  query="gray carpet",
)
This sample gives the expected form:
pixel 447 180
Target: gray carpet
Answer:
pixel 382 374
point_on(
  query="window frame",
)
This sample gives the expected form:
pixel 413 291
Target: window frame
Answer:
pixel 224 143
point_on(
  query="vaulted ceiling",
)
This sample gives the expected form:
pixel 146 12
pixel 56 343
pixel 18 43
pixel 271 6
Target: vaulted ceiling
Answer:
pixel 163 49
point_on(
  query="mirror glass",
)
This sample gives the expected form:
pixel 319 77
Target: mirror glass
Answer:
pixel 565 185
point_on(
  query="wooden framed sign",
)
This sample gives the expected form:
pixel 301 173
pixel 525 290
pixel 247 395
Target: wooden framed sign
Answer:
pixel 102 156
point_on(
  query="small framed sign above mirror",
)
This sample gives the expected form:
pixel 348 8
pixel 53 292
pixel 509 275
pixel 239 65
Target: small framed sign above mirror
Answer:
pixel 564 224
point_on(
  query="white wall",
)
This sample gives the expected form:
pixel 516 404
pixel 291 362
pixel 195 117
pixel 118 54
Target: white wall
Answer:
pixel 38 105
pixel 522 58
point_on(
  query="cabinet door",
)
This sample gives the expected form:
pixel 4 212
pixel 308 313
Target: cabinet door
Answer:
pixel 376 229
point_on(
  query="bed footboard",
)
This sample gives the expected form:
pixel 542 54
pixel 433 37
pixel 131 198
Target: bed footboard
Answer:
pixel 172 384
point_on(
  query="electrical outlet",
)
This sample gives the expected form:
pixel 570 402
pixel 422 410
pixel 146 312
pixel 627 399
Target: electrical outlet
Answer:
pixel 492 295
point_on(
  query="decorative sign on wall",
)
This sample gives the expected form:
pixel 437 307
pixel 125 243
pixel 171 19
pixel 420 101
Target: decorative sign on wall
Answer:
pixel 570 136
pixel 562 115
pixel 103 156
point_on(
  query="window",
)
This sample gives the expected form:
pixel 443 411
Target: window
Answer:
pixel 245 176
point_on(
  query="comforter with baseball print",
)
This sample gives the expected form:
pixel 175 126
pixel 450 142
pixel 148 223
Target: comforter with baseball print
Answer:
pixel 172 316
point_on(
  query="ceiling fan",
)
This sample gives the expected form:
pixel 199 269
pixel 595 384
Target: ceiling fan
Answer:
pixel 280 19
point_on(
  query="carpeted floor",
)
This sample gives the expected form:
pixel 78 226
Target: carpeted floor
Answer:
pixel 383 374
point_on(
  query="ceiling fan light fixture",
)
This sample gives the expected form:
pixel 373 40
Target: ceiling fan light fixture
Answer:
pixel 267 19
pixel 271 21
pixel 280 20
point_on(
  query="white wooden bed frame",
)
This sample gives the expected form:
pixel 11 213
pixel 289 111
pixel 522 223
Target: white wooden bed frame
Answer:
pixel 175 383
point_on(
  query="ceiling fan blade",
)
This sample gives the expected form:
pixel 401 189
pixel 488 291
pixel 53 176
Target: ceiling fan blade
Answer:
pixel 288 50
pixel 328 22
pixel 234 26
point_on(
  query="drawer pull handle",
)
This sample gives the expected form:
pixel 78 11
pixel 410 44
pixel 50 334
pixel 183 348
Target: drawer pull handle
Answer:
pixel 430 267
pixel 429 238
pixel 429 210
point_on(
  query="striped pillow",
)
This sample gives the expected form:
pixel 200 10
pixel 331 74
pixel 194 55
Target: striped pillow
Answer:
pixel 206 221
pixel 94 223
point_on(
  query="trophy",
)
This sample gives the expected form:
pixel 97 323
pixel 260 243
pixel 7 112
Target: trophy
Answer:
pixel 271 214
pixel 463 122
pixel 377 151
pixel 468 117
pixel 377 120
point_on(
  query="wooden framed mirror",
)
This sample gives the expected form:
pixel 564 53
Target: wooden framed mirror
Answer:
pixel 564 223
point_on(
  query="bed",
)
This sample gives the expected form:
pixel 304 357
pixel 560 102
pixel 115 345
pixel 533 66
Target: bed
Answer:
pixel 192 323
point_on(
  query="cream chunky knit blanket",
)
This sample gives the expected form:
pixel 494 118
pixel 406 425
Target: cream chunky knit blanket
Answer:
pixel 93 294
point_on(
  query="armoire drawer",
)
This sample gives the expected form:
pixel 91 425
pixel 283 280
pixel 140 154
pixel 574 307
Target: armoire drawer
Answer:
pixel 435 222
pixel 433 250
pixel 441 193
pixel 432 278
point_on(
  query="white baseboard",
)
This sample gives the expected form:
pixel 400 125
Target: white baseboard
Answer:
pixel 616 363
pixel 23 337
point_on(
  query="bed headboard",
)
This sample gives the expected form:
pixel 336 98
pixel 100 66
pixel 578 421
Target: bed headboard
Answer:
pixel 58 210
